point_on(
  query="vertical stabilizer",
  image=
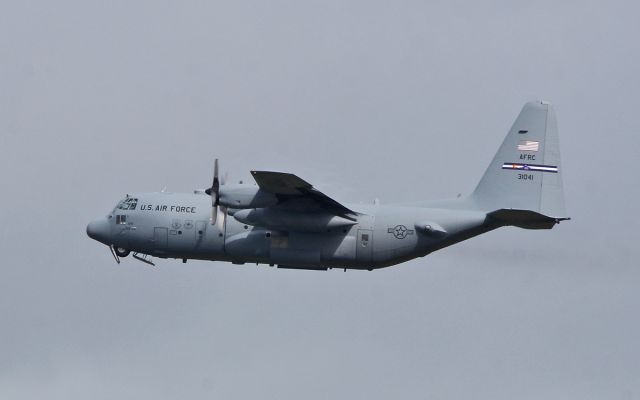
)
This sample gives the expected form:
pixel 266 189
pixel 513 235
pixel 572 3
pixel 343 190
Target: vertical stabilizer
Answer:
pixel 526 173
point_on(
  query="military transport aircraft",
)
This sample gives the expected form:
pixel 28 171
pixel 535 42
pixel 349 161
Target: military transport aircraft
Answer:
pixel 283 220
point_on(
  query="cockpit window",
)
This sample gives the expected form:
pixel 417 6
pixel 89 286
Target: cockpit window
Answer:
pixel 129 203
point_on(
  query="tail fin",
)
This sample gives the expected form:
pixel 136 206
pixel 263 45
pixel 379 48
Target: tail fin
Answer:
pixel 525 174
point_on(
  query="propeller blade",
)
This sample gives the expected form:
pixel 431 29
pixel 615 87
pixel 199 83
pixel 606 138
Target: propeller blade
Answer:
pixel 223 216
pixel 225 178
pixel 214 192
pixel 216 182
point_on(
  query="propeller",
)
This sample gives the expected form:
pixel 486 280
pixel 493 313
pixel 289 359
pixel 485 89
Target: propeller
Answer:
pixel 214 192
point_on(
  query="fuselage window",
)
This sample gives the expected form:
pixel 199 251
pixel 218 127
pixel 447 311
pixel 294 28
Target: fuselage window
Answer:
pixel 121 219
pixel 365 239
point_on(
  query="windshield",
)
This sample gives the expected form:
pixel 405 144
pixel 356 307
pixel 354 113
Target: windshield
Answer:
pixel 129 203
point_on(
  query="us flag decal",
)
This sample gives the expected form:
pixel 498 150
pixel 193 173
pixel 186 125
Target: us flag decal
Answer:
pixel 528 145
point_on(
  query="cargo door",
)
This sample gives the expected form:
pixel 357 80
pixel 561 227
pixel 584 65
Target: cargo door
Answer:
pixel 160 239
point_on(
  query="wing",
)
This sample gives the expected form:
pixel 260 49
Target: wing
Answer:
pixel 296 194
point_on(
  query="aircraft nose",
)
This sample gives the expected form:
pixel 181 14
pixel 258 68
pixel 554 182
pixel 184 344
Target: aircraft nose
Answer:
pixel 99 230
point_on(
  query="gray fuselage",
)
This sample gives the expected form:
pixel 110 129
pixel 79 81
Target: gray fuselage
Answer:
pixel 177 225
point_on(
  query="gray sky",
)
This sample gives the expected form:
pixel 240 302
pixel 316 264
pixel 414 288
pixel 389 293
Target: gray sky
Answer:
pixel 402 100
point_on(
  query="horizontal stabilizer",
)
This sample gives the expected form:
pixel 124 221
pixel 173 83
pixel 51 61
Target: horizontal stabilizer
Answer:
pixel 526 219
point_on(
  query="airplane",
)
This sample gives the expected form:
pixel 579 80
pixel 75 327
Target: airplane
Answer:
pixel 284 221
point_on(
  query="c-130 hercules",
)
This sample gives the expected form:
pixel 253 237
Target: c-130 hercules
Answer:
pixel 285 221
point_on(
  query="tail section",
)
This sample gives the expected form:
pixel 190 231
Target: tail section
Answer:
pixel 523 184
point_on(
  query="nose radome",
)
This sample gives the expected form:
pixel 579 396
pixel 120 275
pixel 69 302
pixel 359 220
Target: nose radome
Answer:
pixel 99 230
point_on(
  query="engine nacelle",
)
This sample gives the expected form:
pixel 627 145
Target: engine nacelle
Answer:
pixel 245 196
pixel 289 220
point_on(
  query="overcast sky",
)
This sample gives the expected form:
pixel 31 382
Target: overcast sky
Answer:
pixel 400 100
